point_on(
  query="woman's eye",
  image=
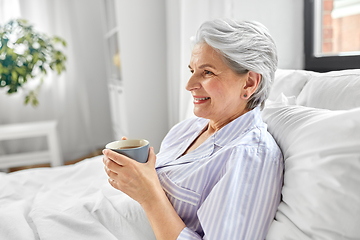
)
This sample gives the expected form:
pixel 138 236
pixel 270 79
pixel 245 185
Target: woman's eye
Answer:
pixel 208 72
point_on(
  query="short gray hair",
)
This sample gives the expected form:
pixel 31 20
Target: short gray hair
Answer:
pixel 245 46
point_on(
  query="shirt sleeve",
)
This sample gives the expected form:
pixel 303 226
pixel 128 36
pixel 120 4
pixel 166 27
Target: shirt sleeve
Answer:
pixel 243 202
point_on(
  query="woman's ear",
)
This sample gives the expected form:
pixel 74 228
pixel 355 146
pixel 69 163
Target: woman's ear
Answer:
pixel 252 82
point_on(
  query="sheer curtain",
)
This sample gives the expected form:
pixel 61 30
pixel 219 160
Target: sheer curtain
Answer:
pixel 78 98
pixel 184 17
pixel 9 9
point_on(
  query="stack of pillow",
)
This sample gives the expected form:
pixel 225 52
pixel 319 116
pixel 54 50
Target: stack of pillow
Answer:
pixel 315 119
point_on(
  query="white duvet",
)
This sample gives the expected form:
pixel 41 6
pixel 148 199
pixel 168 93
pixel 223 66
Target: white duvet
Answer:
pixel 69 202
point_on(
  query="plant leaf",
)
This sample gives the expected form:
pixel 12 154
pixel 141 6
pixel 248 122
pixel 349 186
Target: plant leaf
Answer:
pixel 38 55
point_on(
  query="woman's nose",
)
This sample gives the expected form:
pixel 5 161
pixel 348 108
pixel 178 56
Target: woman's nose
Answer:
pixel 193 83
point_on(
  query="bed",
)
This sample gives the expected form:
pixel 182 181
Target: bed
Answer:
pixel 315 118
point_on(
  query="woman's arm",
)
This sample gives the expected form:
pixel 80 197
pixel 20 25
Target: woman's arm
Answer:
pixel 163 218
pixel 141 183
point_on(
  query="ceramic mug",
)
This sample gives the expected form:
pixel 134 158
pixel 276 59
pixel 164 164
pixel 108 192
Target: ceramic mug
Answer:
pixel 137 149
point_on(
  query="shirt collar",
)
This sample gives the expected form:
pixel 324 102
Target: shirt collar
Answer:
pixel 237 127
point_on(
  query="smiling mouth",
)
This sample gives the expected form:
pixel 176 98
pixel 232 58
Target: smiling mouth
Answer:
pixel 201 99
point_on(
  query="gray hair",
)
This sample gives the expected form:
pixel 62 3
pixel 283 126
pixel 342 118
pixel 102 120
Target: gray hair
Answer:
pixel 245 46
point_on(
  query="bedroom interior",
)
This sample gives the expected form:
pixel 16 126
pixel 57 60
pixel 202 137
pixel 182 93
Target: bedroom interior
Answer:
pixel 81 99
pixel 115 46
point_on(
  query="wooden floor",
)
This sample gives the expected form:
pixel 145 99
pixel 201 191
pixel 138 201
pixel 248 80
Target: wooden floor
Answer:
pixel 93 154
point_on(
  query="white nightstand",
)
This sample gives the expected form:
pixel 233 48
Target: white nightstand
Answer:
pixel 34 129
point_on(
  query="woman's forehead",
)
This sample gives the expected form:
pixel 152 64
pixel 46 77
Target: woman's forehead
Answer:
pixel 203 54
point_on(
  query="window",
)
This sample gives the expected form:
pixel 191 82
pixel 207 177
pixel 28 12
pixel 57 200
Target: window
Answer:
pixel 332 34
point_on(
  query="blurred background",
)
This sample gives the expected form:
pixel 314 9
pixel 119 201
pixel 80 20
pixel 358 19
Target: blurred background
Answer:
pixel 127 61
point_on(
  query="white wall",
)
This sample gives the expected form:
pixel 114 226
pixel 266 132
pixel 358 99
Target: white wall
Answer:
pixel 143 61
pixel 284 19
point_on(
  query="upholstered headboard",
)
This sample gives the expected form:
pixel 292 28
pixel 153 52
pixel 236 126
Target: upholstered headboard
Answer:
pixel 321 148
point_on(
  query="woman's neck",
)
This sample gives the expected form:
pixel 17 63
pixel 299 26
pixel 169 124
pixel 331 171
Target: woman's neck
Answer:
pixel 216 125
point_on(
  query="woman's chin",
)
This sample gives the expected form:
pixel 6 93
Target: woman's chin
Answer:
pixel 199 113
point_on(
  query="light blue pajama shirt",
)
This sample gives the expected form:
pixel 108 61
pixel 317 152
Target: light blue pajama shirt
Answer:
pixel 227 188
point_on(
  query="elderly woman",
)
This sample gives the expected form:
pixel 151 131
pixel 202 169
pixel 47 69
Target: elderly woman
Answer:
pixel 217 175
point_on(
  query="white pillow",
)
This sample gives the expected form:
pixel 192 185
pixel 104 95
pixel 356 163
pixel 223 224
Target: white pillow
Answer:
pixel 337 90
pixel 321 192
pixel 289 82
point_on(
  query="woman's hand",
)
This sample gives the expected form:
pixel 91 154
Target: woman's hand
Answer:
pixel 138 180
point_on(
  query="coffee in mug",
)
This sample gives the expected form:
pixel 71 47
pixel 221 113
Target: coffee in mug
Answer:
pixel 128 147
pixel 137 149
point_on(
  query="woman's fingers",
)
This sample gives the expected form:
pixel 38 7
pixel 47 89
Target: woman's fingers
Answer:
pixel 111 174
pixel 117 172
pixel 152 157
pixel 118 158
pixel 112 183
pixel 137 180
pixel 111 166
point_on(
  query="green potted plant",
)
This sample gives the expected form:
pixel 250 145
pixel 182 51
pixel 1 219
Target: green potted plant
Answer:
pixel 27 54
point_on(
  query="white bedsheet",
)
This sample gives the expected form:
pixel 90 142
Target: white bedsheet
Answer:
pixel 69 202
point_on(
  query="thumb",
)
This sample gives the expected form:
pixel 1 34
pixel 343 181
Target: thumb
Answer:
pixel 152 157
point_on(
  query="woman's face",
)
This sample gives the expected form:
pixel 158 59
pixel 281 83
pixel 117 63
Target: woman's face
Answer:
pixel 216 89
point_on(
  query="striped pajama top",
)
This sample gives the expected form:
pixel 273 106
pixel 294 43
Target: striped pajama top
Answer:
pixel 227 188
